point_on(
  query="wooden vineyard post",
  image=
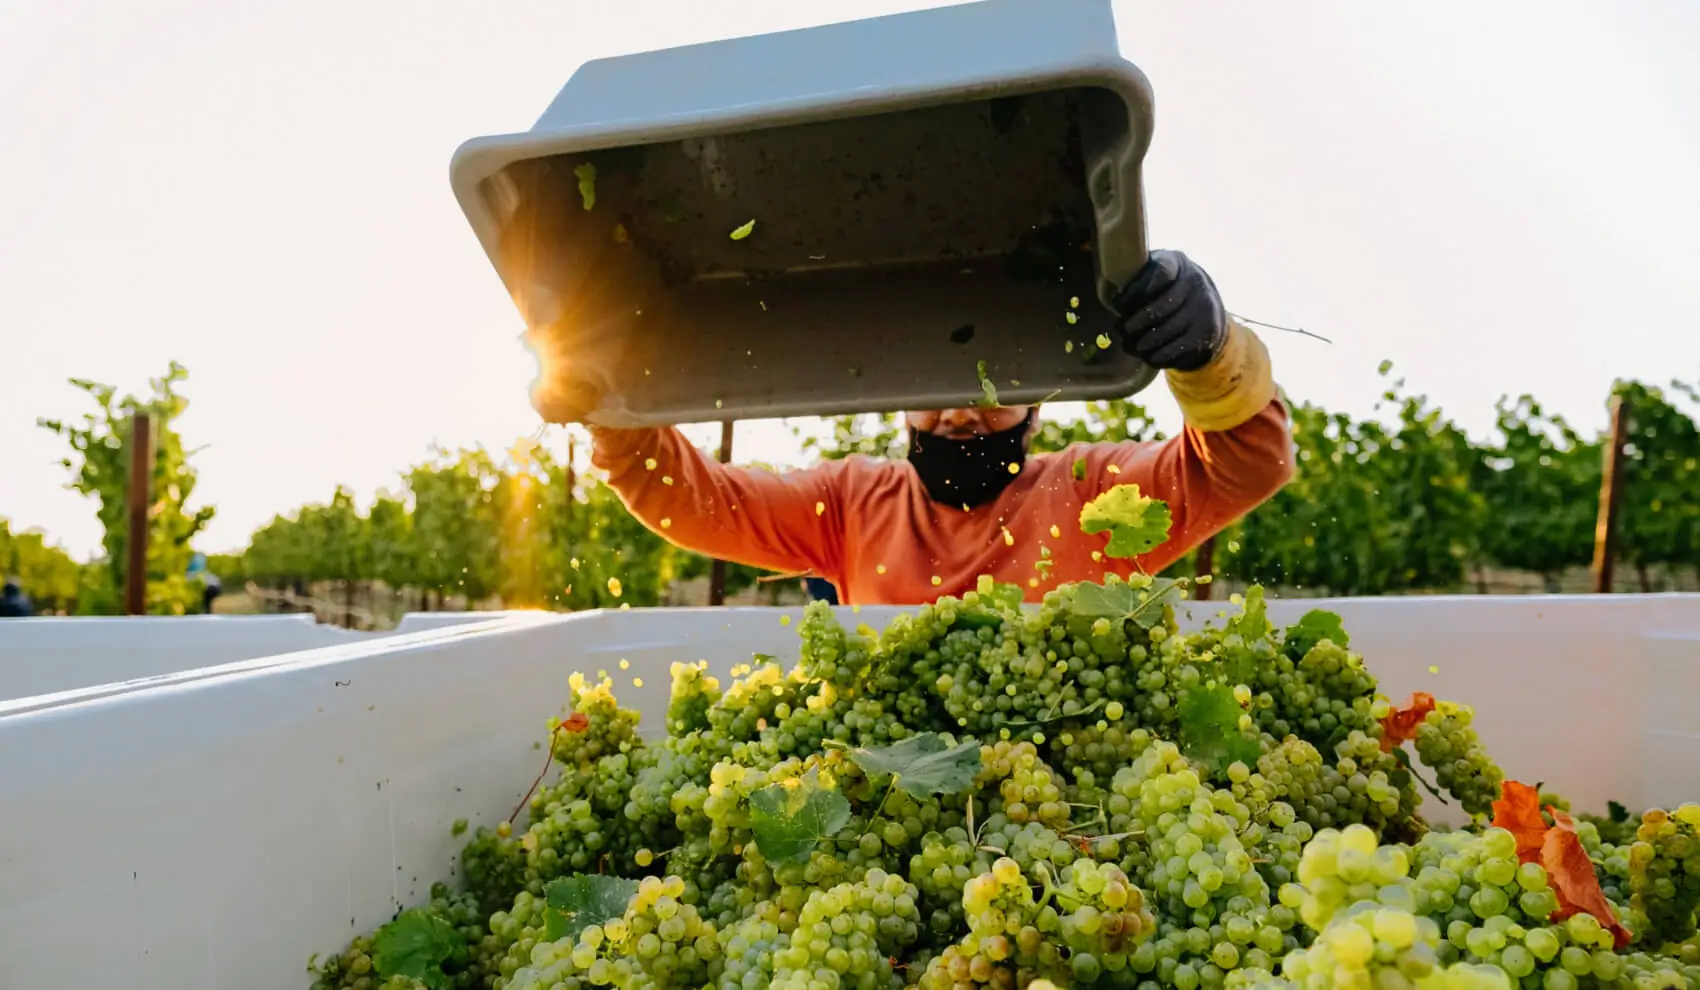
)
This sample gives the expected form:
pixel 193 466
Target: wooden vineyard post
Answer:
pixel 567 510
pixel 1206 560
pixel 1611 494
pixel 717 570
pixel 139 497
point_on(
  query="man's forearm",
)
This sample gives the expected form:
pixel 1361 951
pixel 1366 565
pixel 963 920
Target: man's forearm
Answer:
pixel 779 522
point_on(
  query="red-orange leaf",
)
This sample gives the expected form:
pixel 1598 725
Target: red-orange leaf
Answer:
pixel 1573 877
pixel 1518 811
pixel 576 722
pixel 1401 723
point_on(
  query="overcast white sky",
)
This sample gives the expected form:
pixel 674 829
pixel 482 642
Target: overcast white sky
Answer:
pixel 1498 198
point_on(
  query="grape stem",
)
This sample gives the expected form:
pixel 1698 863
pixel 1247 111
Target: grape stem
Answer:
pixel 547 760
pixel 889 788
pixel 1050 890
pixel 1404 759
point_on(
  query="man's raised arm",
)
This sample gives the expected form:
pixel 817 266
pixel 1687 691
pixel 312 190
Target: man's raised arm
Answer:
pixel 1235 451
pixel 791 523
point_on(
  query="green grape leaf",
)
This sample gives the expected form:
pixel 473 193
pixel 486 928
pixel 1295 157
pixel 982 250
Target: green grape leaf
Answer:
pixel 1312 628
pixel 1115 600
pixel 1122 602
pixel 1078 469
pixel 1253 621
pixel 1210 728
pixel 977 619
pixel 586 184
pixel 1242 662
pixel 924 764
pixel 1136 524
pixel 790 818
pixel 572 904
pixel 988 391
pixel 415 945
pixel 744 231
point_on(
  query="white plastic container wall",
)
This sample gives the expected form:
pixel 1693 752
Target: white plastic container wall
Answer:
pixel 49 656
pixel 217 829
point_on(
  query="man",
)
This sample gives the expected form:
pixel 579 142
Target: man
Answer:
pixel 14 604
pixel 970 500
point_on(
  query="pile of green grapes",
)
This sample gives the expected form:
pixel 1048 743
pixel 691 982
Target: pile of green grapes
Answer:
pixel 1075 794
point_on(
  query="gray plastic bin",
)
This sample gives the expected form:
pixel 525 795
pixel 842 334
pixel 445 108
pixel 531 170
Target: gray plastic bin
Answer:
pixel 929 191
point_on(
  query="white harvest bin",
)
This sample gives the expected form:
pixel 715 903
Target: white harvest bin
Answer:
pixel 218 828
pixel 46 655
pixel 50 656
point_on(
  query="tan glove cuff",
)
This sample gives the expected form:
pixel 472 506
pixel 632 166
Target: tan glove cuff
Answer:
pixel 1231 389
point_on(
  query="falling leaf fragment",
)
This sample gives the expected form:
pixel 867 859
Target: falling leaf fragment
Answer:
pixel 586 173
pixel 1136 523
pixel 743 231
pixel 1401 724
pixel 988 391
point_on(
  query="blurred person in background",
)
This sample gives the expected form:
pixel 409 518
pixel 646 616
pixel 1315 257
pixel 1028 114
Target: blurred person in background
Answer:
pixel 970 500
pixel 14 604
pixel 211 586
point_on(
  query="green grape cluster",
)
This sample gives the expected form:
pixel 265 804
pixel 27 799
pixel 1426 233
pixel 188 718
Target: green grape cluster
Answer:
pixel 1664 866
pixel 847 935
pixel 1020 786
pixel 1446 743
pixel 1103 918
pixel 1322 696
pixel 658 941
pixel 1094 751
pixel 512 934
pixel 1197 862
pixel 1297 775
pixel 692 693
pixel 468 966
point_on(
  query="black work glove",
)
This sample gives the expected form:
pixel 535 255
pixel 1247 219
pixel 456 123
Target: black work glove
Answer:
pixel 1170 314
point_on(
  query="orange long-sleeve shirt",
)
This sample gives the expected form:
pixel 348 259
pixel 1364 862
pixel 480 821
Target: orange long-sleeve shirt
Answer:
pixel 869 527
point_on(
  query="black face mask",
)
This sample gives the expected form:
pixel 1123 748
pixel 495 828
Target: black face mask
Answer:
pixel 968 472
